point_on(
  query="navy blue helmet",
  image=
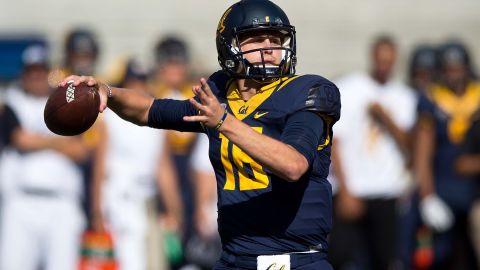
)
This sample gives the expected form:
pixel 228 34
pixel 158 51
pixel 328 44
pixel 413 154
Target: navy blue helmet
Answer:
pixel 81 41
pixel 455 52
pixel 248 16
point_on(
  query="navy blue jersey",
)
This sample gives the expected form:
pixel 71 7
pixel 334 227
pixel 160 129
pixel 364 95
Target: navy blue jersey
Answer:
pixel 258 212
pixel 451 118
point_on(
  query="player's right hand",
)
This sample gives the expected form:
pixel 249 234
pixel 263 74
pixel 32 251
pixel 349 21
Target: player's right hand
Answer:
pixel 377 112
pixel 90 81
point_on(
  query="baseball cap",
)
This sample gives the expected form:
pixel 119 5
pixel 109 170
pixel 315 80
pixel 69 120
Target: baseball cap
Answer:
pixel 35 55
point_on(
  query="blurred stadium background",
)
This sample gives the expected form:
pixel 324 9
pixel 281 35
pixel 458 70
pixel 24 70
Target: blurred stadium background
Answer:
pixel 333 36
pixel 333 39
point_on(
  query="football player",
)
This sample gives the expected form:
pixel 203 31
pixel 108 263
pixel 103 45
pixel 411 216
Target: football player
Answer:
pixel 42 186
pixel 270 137
pixel 171 79
pixel 445 114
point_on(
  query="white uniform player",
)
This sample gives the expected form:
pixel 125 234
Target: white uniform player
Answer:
pixel 206 186
pixel 381 170
pixel 132 161
pixel 42 220
pixel 370 149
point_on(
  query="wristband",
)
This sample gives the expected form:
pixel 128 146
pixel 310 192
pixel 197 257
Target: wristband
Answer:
pixel 109 90
pixel 219 124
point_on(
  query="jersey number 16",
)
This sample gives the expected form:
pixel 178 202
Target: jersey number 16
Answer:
pixel 239 165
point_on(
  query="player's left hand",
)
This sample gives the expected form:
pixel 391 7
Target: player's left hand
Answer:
pixel 211 111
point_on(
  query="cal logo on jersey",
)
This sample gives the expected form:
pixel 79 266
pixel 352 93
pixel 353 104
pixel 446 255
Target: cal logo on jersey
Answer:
pixel 243 110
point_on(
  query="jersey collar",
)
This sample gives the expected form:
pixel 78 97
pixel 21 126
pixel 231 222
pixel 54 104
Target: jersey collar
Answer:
pixel 242 109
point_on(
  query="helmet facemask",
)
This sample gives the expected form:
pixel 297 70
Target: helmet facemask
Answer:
pixel 239 67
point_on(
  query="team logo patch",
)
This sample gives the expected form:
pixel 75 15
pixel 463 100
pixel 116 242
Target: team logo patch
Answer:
pixel 273 262
pixel 70 94
pixel 243 110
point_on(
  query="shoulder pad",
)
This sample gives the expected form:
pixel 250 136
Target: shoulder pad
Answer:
pixel 324 99
pixel 219 82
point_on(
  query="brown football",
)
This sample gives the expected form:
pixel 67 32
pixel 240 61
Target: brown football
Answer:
pixel 71 110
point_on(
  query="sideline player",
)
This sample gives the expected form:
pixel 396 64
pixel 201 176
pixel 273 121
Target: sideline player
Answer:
pixel 42 189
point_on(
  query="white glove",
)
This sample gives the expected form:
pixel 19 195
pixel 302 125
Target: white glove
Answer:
pixel 436 214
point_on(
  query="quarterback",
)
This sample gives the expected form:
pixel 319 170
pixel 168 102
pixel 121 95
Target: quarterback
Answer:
pixel 270 134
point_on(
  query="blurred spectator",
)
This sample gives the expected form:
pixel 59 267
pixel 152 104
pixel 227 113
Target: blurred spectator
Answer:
pixel 468 164
pixel 171 80
pixel 445 197
pixel 414 241
pixel 171 73
pixel 8 123
pixel 134 163
pixel 369 159
pixel 81 52
pixel 41 219
pixel 423 68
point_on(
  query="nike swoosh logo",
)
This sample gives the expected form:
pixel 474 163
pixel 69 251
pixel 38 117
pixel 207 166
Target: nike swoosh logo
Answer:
pixel 259 114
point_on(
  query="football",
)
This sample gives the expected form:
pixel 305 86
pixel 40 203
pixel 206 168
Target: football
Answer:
pixel 71 110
